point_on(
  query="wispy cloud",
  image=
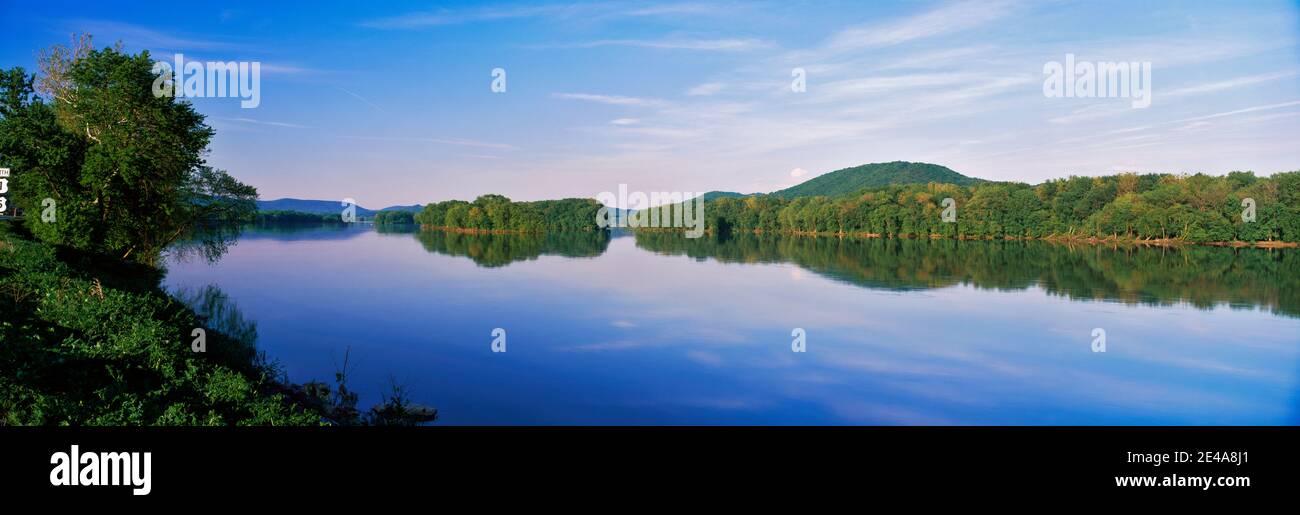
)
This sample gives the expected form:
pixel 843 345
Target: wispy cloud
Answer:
pixel 283 69
pixel 363 100
pixel 588 12
pixel 459 142
pixel 720 45
pixel 423 19
pixel 267 123
pixel 706 89
pixel 613 99
pixel 1234 112
pixel 1230 84
pixel 140 36
pixel 948 19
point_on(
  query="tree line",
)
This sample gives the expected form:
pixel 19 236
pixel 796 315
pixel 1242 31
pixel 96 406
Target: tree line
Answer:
pixel 1196 208
pixel 394 218
pixel 496 213
pixel 277 216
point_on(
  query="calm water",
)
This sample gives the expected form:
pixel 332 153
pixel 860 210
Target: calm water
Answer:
pixel 658 329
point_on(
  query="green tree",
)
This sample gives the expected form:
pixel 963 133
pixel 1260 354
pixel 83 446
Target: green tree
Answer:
pixel 124 168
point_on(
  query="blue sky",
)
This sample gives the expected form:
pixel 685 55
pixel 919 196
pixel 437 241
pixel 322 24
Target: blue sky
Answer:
pixel 390 103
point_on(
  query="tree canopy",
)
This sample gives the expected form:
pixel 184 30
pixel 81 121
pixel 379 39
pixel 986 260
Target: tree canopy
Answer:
pixel 394 218
pixel 124 169
pixel 498 213
pixel 1195 208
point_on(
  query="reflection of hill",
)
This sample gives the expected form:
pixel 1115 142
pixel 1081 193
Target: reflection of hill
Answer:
pixel 494 250
pixel 1202 276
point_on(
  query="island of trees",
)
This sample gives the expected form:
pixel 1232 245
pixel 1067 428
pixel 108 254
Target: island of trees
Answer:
pixel 394 218
pixel 274 217
pixel 495 213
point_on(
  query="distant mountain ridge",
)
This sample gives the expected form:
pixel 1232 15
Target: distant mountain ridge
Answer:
pixel 323 207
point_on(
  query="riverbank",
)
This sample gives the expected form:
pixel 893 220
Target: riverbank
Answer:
pixel 87 340
pixel 467 230
pixel 1065 239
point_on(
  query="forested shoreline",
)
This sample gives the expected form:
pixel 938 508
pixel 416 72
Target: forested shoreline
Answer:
pixel 1147 208
pixel 1238 209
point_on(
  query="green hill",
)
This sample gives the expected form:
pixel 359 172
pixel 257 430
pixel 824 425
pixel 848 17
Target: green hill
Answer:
pixel 875 175
pixel 726 194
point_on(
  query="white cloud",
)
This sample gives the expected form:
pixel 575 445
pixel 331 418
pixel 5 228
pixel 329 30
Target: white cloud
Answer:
pixel 612 99
pixel 721 45
pixel 706 89
pixel 951 18
pixel 1230 84
pixel 269 123
pixel 587 12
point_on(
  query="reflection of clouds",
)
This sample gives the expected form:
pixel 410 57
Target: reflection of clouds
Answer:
pixel 954 354
pixel 704 357
pixel 875 413
pixel 603 346
pixel 670 338
pixel 944 352
pixel 1145 400
pixel 724 403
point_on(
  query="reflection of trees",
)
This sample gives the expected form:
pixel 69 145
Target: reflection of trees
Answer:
pixel 396 228
pixel 205 241
pixel 494 250
pixel 1202 276
pixel 234 336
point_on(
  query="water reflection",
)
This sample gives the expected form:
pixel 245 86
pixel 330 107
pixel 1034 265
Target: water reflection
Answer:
pixel 656 328
pixel 496 250
pixel 1202 276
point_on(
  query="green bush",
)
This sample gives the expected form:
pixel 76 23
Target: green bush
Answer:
pixel 81 347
